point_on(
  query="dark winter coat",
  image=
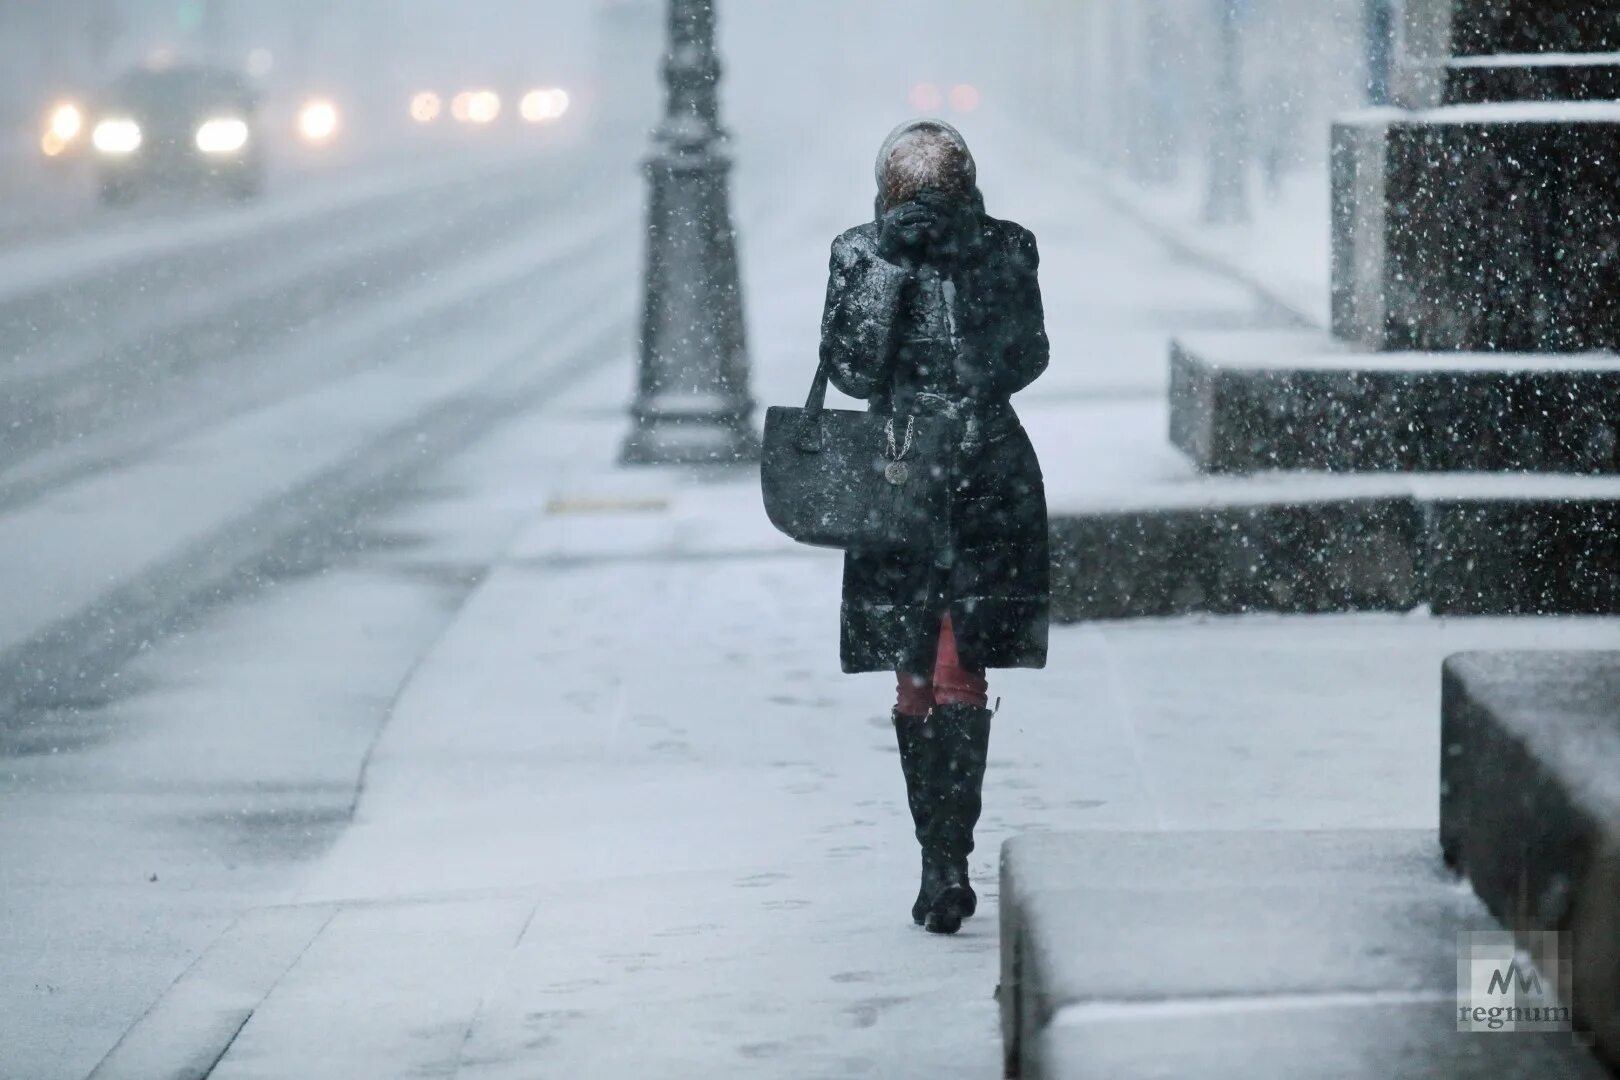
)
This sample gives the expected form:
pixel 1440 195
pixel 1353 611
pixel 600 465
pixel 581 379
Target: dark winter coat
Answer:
pixel 991 568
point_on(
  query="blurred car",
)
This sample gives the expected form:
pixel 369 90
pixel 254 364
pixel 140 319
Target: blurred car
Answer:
pixel 182 126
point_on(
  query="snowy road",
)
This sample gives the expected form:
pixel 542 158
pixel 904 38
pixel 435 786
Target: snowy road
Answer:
pixel 179 413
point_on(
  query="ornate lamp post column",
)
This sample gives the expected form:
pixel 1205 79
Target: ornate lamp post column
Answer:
pixel 692 404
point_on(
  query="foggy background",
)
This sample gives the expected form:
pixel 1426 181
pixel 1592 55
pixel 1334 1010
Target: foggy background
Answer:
pixel 1134 84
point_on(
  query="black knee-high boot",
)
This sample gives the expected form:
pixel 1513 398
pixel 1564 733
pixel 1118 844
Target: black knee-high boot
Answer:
pixel 908 731
pixel 955 750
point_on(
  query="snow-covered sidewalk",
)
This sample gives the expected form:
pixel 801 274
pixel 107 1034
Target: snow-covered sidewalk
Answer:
pixel 1284 251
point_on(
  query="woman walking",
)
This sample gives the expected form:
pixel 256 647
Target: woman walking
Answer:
pixel 934 309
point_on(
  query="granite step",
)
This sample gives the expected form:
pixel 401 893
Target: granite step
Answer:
pixel 1252 402
pixel 1311 954
pixel 1138 531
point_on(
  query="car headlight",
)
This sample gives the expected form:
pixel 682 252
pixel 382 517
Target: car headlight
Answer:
pixel 117 136
pixel 425 107
pixel 544 106
pixel 63 126
pixel 222 135
pixel 65 123
pixel 476 106
pixel 318 121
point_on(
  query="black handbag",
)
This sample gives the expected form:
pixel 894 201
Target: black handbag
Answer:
pixel 853 480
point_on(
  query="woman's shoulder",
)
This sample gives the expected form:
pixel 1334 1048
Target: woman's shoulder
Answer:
pixel 1011 239
pixel 1009 233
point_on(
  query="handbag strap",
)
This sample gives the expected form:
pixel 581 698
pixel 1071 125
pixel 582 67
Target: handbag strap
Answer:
pixel 817 400
pixel 808 439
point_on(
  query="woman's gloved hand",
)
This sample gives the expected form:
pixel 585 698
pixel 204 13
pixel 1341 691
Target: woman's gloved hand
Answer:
pixel 922 229
pixel 905 229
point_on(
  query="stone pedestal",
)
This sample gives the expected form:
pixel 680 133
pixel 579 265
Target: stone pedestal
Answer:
pixel 1489 228
pixel 1483 214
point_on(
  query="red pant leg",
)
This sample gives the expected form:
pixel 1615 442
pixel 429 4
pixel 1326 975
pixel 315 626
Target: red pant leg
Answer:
pixel 953 683
pixel 915 696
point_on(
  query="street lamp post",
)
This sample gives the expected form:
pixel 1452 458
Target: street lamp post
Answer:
pixel 1380 50
pixel 692 404
pixel 1226 201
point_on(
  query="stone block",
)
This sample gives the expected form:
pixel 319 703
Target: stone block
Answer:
pixel 1478 80
pixel 1462 544
pixel 1478 228
pixel 1530 806
pixel 1540 552
pixel 1248 402
pixel 1123 954
pixel 1305 557
pixel 1480 27
pixel 1126 564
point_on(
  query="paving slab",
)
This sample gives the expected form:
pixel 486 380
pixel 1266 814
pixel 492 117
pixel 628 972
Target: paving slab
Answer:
pixel 378 978
pixel 191 1026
